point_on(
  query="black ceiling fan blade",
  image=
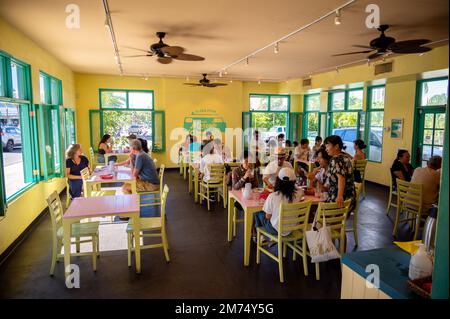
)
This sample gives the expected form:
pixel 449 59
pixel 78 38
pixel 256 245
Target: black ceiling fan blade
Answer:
pixel 193 84
pixel 213 85
pixel 136 56
pixel 172 51
pixel 362 46
pixel 147 51
pixel 165 60
pixel 409 46
pixel 189 57
pixel 350 53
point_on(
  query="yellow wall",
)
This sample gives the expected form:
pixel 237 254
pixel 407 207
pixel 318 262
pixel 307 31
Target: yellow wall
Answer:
pixel 23 210
pixel 176 99
pixel 399 98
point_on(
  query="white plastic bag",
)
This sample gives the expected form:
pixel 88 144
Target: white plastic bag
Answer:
pixel 320 244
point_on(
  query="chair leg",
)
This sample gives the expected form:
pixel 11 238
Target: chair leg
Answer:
pixel 77 245
pixel 208 200
pixel 389 202
pixel 234 221
pixel 304 256
pixel 280 261
pixel 54 257
pixel 165 245
pixel 355 227
pixel 224 197
pixel 284 250
pixel 317 271
pixel 258 245
pixel 416 227
pixel 94 253
pixel 201 194
pixel 130 246
pixel 98 246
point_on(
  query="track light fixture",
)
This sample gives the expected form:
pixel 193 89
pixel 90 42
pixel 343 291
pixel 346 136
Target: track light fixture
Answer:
pixel 276 49
pixel 337 18
pixel 247 62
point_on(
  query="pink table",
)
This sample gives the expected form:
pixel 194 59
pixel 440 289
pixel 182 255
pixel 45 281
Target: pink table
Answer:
pixel 88 207
pixel 122 175
pixel 250 206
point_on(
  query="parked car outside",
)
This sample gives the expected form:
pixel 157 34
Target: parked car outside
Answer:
pixel 349 134
pixel 11 138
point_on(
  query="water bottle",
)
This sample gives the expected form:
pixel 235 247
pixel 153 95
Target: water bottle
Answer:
pixel 420 265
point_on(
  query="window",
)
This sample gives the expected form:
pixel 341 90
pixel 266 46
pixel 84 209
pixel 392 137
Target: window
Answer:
pixel 125 112
pixel 346 116
pixel 312 118
pixel 49 126
pixel 17 154
pixel 430 119
pixel 270 114
pixel 69 124
pixel 375 117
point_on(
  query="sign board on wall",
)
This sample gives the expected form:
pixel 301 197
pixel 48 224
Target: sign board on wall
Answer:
pixel 208 119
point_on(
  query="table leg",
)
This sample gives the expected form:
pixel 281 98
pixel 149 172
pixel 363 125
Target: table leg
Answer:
pixel 248 222
pixel 190 179
pixel 230 217
pixel 137 242
pixel 196 184
pixel 66 242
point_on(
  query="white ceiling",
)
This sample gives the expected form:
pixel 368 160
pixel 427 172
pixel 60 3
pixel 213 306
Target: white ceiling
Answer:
pixel 222 31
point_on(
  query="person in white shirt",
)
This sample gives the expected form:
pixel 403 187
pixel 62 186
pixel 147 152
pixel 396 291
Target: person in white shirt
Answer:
pixel 213 156
pixel 429 177
pixel 274 167
pixel 258 148
pixel 319 176
pixel 284 192
pixel 302 154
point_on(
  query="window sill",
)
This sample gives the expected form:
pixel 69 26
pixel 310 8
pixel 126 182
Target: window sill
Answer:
pixel 20 192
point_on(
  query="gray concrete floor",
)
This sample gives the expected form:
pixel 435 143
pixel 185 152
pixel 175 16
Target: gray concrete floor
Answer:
pixel 203 264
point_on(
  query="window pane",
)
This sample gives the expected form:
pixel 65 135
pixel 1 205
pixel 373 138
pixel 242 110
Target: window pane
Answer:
pixel 279 103
pixel 17 80
pixel 159 131
pixel 440 120
pixel 313 102
pixel 377 98
pixel 355 100
pixel 362 124
pixel 13 163
pixel 434 93
pixel 120 124
pixel 375 136
pixel 438 137
pixel 42 91
pixel 313 127
pixel 54 91
pixel 344 125
pixel 437 150
pixel 259 103
pixel 56 139
pixel 426 152
pixel 270 124
pixel 429 119
pixel 114 99
pixel 2 77
pixel 428 137
pixel 70 129
pixel 337 100
pixel 140 100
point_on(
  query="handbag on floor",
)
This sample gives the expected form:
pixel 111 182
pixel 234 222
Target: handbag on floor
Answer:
pixel 320 244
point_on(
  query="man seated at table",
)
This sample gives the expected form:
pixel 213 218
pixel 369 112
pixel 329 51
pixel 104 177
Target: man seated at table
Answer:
pixel 274 167
pixel 429 177
pixel 284 192
pixel 243 174
pixel 144 171
pixel 131 158
pixel 213 156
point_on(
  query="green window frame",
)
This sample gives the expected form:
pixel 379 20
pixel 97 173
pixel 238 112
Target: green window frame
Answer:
pixel 346 107
pixel 374 111
pixel 311 111
pixel 422 111
pixel 16 89
pixel 158 117
pixel 271 108
pixel 50 89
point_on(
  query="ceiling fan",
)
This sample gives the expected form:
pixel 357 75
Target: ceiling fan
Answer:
pixel 205 82
pixel 166 53
pixel 384 45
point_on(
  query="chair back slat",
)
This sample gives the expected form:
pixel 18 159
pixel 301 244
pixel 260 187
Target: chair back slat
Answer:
pixel 56 211
pixel 161 176
pixel 294 216
pixel 216 173
pixel 164 195
pixel 335 216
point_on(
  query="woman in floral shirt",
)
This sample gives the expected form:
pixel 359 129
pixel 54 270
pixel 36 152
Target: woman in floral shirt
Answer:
pixel 340 172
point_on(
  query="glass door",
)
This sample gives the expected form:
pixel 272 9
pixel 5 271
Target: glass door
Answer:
pixel 431 139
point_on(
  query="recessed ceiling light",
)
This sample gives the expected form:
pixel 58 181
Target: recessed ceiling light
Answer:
pixel 337 18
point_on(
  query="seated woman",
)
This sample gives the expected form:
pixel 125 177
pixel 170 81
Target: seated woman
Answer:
pixel 359 146
pixel 75 163
pixel 105 147
pixel 340 171
pixel 284 192
pixel 401 168
pixel 315 148
pixel 319 176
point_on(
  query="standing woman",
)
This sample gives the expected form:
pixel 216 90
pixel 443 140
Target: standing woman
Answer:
pixel 340 172
pixel 105 147
pixel 75 163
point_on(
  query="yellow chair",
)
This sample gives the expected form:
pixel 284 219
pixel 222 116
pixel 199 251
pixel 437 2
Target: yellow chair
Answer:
pixel 67 193
pixel 392 192
pixel 336 217
pixel 409 200
pixel 155 199
pixel 215 183
pixel 151 227
pixel 79 230
pixel 92 160
pixel 358 188
pixel 294 219
pixel 360 165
